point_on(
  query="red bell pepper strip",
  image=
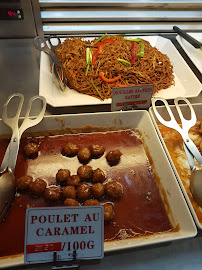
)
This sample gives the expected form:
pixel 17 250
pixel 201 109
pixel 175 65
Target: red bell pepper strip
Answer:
pixel 99 50
pixel 98 40
pixel 133 53
pixel 101 74
pixel 103 42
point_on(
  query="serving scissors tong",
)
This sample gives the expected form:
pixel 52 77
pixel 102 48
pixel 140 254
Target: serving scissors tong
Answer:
pixel 194 42
pixel 189 146
pixel 46 45
pixel 7 182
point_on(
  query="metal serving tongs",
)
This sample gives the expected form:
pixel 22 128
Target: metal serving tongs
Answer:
pixel 7 180
pixel 40 44
pixel 189 147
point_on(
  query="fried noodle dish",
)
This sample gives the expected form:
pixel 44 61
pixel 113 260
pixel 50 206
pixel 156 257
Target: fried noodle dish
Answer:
pixel 95 67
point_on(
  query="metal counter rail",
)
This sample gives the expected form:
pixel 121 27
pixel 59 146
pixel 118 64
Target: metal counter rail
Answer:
pixel 90 16
pixel 186 4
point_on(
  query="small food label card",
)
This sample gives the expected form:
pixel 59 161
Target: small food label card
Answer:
pixel 64 230
pixel 132 97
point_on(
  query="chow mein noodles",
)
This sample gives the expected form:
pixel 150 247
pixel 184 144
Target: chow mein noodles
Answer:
pixel 95 67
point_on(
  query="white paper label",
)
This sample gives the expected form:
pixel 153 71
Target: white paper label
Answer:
pixel 132 97
pixel 64 230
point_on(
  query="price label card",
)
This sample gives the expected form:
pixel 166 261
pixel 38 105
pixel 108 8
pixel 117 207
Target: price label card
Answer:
pixel 132 97
pixel 64 230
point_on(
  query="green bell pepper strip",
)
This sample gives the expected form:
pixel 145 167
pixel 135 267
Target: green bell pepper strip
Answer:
pixel 133 39
pixel 141 53
pixel 124 62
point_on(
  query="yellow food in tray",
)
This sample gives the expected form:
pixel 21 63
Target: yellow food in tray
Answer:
pixel 174 143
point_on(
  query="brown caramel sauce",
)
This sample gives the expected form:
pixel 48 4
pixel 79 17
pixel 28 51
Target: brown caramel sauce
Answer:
pixel 140 212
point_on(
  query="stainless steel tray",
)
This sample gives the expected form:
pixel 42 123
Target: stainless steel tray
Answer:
pixel 119 120
pixel 185 111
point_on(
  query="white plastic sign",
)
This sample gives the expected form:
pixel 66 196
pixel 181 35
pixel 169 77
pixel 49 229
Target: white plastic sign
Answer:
pixel 64 230
pixel 132 97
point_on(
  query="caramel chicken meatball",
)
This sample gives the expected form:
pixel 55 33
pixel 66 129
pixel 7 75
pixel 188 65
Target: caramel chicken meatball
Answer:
pixel 31 150
pixel 38 187
pixel 108 211
pixel 84 155
pixel 69 192
pixel 83 191
pixel 97 150
pixel 98 190
pixel 74 180
pixel 85 172
pixel 114 189
pixel 71 202
pixel 91 203
pixel 113 157
pixel 23 182
pixel 70 149
pixel 62 176
pixel 52 193
pixel 98 176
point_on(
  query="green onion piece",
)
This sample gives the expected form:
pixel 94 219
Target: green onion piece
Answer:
pixel 127 82
pixel 96 89
pixel 98 40
pixel 141 53
pixel 87 56
pixel 124 62
pixel 90 54
pixel 88 59
pixel 87 70
pixel 133 39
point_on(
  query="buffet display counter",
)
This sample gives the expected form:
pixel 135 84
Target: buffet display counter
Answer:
pixel 20 72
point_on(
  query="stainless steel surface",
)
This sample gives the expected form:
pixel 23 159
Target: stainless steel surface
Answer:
pixel 19 69
pixel 21 28
pixel 121 14
pixel 146 4
pixel 86 28
pixel 90 16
